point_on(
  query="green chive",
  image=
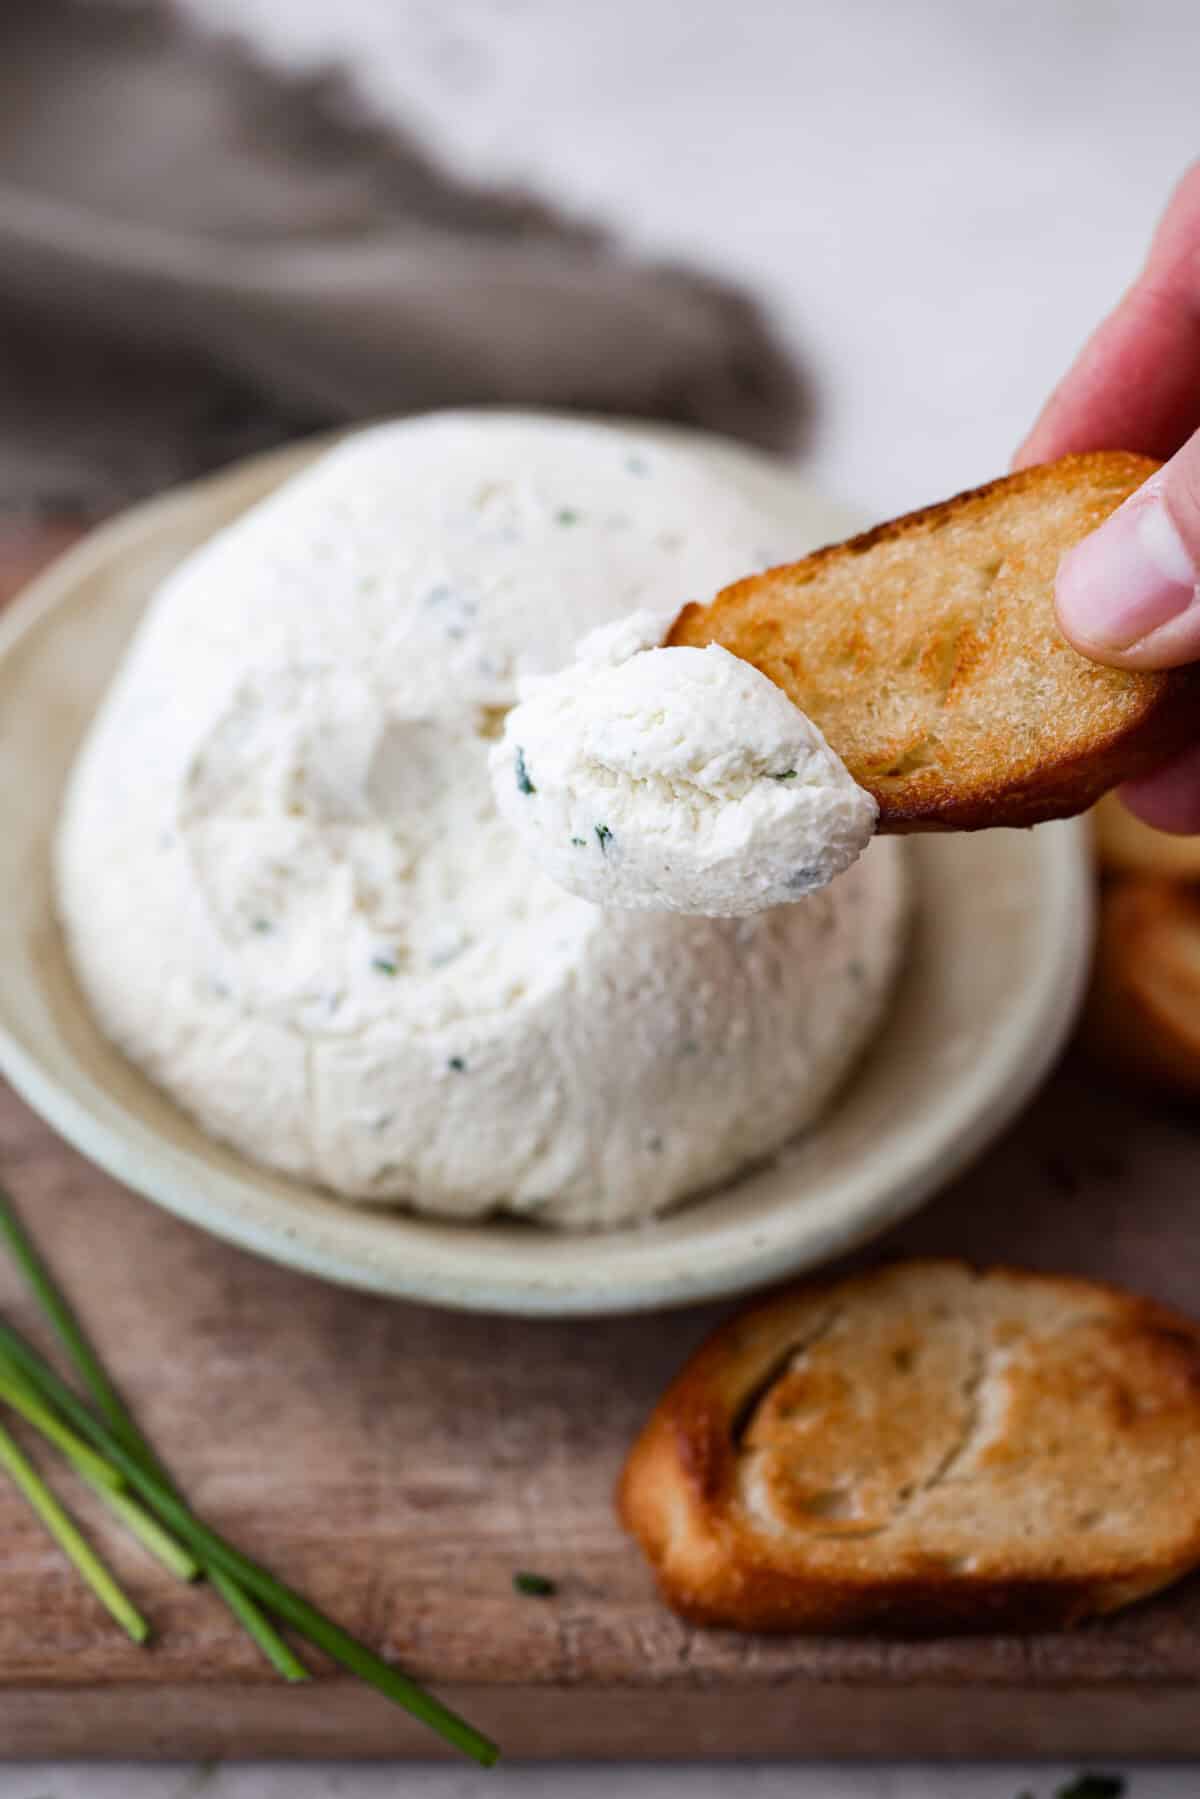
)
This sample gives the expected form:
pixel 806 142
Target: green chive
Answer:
pixel 123 1425
pixel 214 1551
pixel 65 1323
pixel 16 1392
pixel 534 1586
pixel 69 1539
pixel 257 1625
pixel 148 1531
pixel 99 1475
pixel 524 784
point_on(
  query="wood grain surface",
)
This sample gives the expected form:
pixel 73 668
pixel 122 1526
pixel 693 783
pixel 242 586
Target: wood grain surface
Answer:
pixel 399 1465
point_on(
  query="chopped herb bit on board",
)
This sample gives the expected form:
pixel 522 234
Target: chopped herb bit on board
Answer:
pixel 457 1064
pixel 384 965
pixel 603 838
pixel 524 784
pixel 534 1586
pixel 566 515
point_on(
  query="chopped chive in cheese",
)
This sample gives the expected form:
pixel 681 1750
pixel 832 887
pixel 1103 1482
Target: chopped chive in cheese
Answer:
pixel 524 784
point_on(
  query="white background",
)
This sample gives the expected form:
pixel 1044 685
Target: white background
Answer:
pixel 937 200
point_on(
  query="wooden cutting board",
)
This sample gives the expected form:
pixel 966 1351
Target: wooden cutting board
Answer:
pixel 400 1464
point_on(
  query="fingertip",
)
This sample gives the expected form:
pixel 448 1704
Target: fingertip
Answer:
pixel 1088 587
pixel 1169 799
pixel 1127 594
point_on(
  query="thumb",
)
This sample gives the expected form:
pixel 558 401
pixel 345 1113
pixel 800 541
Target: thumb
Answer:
pixel 1129 594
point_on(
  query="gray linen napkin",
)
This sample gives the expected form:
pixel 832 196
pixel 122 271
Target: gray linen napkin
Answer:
pixel 199 257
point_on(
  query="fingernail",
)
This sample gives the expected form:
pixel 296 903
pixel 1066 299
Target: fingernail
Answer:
pixel 1127 579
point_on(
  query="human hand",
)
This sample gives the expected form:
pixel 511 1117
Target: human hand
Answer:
pixel 1129 594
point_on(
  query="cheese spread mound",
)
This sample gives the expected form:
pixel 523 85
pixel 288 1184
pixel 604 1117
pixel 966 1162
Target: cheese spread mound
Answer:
pixel 291 898
pixel 677 780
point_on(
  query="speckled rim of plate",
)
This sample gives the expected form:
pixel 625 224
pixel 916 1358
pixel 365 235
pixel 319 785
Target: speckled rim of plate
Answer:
pixel 992 984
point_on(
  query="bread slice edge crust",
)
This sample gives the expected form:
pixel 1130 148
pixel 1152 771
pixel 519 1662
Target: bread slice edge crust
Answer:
pixel 676 1495
pixel 1159 708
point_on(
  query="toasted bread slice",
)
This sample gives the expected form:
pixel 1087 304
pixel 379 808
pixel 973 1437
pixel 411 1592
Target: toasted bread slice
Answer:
pixel 924 1446
pixel 929 654
pixel 1143 1012
pixel 1124 845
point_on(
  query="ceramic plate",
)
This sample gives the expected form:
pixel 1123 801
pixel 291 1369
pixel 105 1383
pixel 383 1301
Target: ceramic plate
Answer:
pixel 991 985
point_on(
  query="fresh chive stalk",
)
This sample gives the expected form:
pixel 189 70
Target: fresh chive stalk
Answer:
pixel 99 1475
pixel 16 1393
pixel 214 1551
pixel 125 1428
pixel 234 1575
pixel 56 1308
pixel 146 1528
pixel 70 1539
pixel 257 1626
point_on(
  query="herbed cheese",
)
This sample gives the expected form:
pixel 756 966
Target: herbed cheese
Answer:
pixel 292 901
pixel 687 779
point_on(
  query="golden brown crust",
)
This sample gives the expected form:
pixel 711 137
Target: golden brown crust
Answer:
pixel 928 652
pixel 1124 845
pixel 1143 1011
pixel 924 1447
